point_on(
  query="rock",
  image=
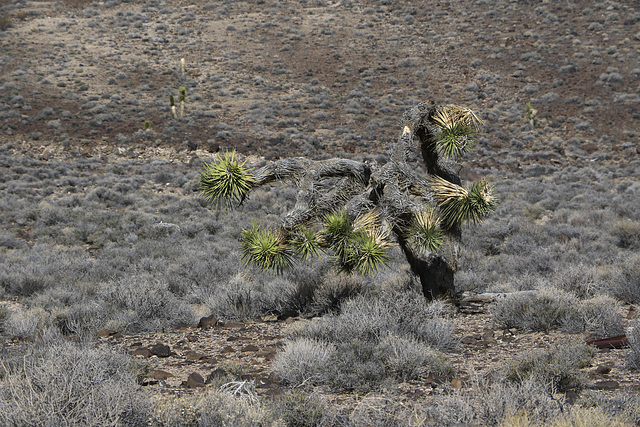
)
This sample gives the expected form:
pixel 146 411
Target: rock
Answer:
pixel 603 369
pixel 160 350
pixel 227 349
pixel 195 380
pixel 216 374
pixel 606 385
pixel 193 355
pixel 106 333
pixel 160 375
pixel 142 351
pixel 434 380
pixel 268 354
pixel 472 339
pixel 456 384
pixel 213 147
pixel 208 322
pixel 264 382
pixel 249 348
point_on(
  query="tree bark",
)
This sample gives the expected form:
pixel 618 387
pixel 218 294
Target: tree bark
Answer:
pixel 435 273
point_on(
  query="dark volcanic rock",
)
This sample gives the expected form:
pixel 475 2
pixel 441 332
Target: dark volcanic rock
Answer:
pixel 160 350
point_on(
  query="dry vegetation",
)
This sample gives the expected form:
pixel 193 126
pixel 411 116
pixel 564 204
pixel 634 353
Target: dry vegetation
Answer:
pixel 101 226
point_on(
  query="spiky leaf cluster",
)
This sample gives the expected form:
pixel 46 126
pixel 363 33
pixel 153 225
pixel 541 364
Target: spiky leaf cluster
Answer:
pixel 305 242
pixel 225 180
pixel 459 127
pixel 358 246
pixel 424 231
pixel 459 205
pixel 268 249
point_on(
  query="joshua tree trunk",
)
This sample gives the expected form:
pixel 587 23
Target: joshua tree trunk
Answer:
pixel 434 272
pixel 416 196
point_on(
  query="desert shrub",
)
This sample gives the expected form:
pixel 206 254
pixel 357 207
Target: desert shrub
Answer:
pixel 33 270
pixel 303 361
pixel 550 308
pixel 388 410
pixel 62 383
pixel 622 407
pixel 373 339
pixel 23 322
pixel 482 404
pixel 296 409
pixel 246 297
pixel 370 317
pixel 634 344
pixel 87 317
pixel 628 233
pixel 305 290
pixel 558 367
pixel 299 299
pixel 143 302
pixel 575 417
pixel 213 408
pixel 622 280
pixel 357 365
pixel 5 22
pixel 579 279
pixel 332 290
pixel 490 404
pixel 598 316
pixel 544 310
pixel 8 241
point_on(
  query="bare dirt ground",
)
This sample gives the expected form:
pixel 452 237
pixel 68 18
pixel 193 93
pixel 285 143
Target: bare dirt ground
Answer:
pixel 321 78
pixel 248 349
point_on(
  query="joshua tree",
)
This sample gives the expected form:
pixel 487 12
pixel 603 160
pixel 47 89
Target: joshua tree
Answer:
pixel 356 210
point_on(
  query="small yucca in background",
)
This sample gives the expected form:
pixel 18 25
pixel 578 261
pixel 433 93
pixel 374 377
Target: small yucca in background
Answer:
pixel 225 180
